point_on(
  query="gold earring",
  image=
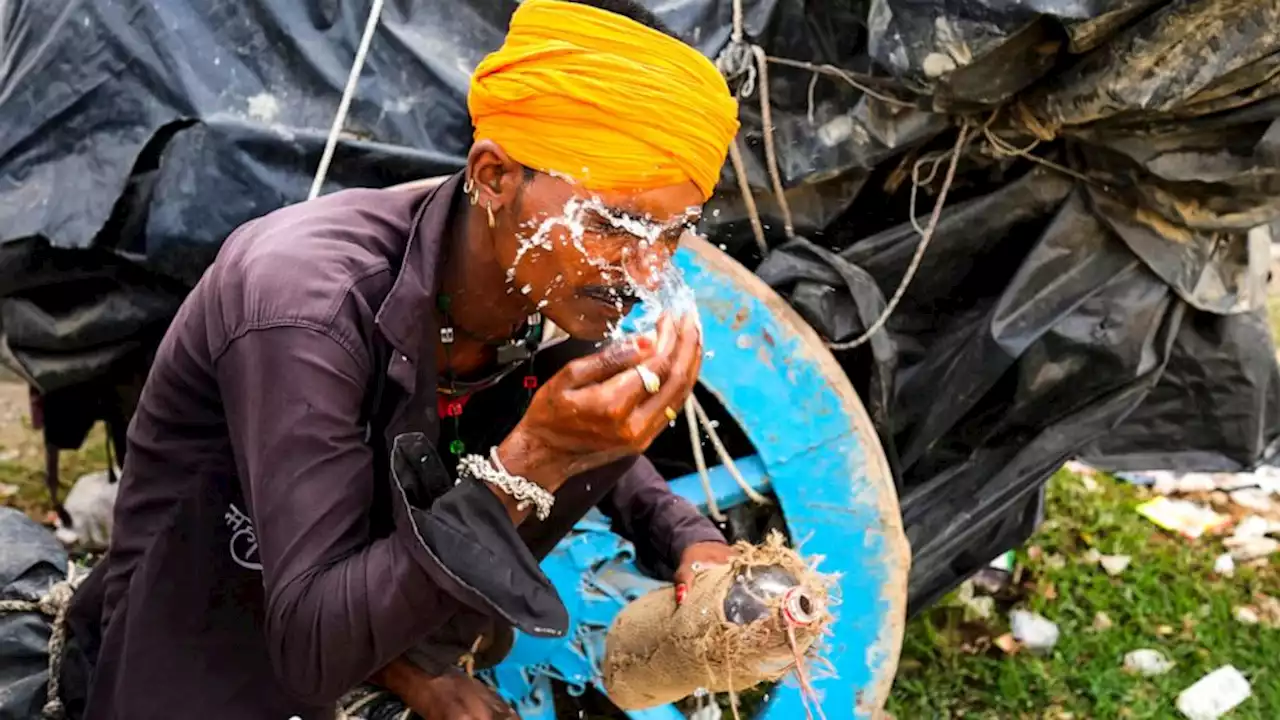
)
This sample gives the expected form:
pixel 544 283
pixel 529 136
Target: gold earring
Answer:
pixel 469 185
pixel 492 221
pixel 475 197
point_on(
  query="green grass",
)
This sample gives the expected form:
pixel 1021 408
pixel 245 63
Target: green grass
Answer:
pixel 26 470
pixel 1168 599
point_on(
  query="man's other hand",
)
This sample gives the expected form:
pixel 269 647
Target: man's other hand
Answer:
pixel 457 696
pixel 697 558
pixel 451 696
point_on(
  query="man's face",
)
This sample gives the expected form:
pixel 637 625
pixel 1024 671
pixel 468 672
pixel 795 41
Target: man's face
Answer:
pixel 579 255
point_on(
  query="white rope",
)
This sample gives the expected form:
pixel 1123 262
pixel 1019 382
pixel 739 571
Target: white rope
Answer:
pixel 770 151
pixel 742 58
pixel 748 199
pixel 926 235
pixel 733 62
pixel 691 419
pixel 845 75
pixel 725 458
pixel 736 60
pixel 53 604
pixel 344 105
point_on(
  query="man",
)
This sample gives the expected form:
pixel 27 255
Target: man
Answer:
pixel 290 523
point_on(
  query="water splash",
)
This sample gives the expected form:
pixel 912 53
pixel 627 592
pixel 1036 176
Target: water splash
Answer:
pixel 662 292
pixel 666 293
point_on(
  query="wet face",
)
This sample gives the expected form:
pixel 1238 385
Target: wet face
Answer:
pixel 578 256
pixel 581 257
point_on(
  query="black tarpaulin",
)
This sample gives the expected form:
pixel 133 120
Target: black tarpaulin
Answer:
pixel 1104 298
pixel 32 563
pixel 1032 335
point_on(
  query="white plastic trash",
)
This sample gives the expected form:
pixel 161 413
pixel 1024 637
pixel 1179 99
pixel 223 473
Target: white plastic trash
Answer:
pixel 1254 499
pixel 1246 616
pixel 1114 565
pixel 1225 565
pixel 1214 695
pixel 1147 662
pixel 1251 527
pixel 91 504
pixel 1246 549
pixel 1033 631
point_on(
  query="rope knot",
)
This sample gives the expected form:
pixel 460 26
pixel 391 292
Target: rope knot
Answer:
pixel 57 599
pixel 735 61
pixel 53 710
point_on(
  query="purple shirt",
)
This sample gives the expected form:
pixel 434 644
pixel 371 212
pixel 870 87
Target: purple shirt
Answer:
pixel 284 526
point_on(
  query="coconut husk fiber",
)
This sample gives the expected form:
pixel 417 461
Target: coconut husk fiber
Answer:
pixel 657 653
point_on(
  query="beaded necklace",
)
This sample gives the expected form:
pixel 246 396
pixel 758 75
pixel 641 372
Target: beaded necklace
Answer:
pixel 512 354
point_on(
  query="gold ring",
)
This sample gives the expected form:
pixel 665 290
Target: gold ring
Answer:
pixel 671 414
pixel 651 382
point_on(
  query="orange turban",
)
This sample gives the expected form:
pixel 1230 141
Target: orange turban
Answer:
pixel 596 97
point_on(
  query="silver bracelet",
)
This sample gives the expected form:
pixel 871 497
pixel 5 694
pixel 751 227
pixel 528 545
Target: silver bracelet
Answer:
pixel 525 491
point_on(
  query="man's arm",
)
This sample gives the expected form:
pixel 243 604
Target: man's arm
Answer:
pixel 339 606
pixel 645 511
pixel 448 696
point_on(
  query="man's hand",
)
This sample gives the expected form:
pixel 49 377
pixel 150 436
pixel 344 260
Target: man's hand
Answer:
pixel 452 696
pixel 457 696
pixel 696 558
pixel 597 409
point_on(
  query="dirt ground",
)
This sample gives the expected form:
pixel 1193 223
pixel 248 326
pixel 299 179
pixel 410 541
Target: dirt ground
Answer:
pixel 13 414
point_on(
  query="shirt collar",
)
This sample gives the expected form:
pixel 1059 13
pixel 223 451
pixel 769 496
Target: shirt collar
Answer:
pixel 405 313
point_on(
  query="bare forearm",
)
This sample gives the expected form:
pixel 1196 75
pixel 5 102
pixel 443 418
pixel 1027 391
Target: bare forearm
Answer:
pixel 445 697
pixel 400 677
